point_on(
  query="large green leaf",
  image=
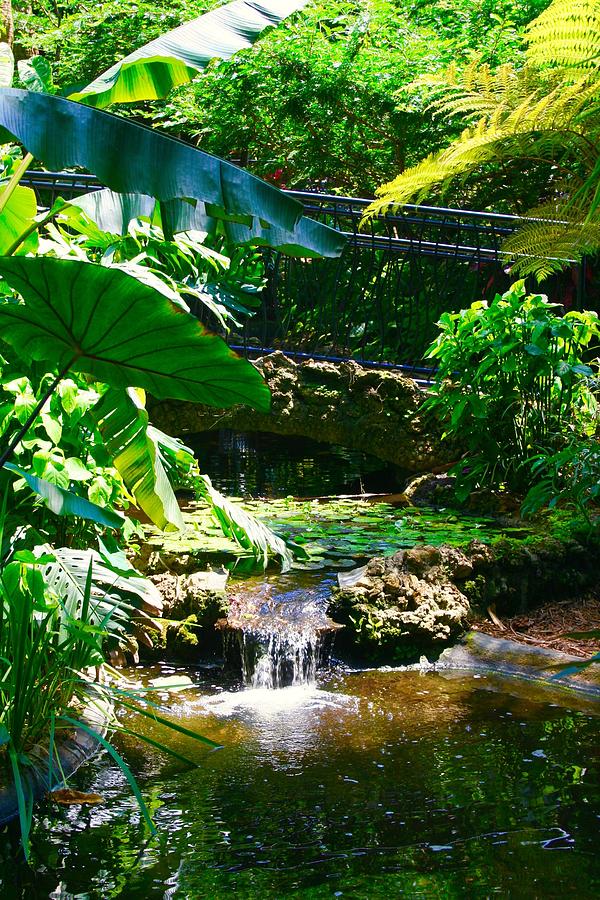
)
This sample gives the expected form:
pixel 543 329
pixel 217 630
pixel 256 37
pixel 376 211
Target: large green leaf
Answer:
pixel 235 523
pixel 36 74
pixel 107 323
pixel 131 158
pixel 122 597
pixel 123 424
pixel 66 503
pixel 113 212
pixel 153 70
pixel 17 216
pixel 243 528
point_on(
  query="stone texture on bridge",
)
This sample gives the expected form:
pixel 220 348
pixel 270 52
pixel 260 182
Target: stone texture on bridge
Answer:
pixel 378 412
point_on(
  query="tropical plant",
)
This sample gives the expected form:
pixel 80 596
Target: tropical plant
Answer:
pixel 75 325
pixel 569 478
pixel 542 120
pixel 321 99
pixel 52 635
pixel 152 71
pixel 512 383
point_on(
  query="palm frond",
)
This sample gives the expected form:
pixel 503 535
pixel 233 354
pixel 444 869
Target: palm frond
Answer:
pixel 555 234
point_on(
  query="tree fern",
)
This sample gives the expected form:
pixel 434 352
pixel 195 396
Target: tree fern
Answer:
pixel 546 114
pixel 566 34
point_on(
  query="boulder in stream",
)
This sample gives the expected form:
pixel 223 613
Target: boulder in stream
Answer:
pixel 192 604
pixel 419 600
pixel 405 603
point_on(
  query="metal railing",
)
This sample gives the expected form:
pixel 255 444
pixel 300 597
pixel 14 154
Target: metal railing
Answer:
pixel 379 301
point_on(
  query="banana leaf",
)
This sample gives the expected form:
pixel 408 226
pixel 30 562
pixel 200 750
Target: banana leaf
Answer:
pixel 235 523
pixel 108 324
pixel 243 528
pixel 130 158
pixel 175 58
pixel 113 212
pixel 123 423
pixel 7 65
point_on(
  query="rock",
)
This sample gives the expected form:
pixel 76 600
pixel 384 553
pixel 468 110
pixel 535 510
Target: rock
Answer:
pixel 431 490
pixel 402 604
pixel 176 640
pixel 418 599
pixel 201 594
pixel 378 412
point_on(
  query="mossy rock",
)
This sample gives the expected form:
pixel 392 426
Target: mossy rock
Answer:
pixel 419 600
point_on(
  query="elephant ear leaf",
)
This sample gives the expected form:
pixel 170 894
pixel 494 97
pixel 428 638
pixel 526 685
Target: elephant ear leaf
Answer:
pixel 123 423
pixel 153 70
pixel 106 323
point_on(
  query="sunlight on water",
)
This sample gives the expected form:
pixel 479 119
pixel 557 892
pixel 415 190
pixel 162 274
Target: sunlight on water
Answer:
pixel 265 703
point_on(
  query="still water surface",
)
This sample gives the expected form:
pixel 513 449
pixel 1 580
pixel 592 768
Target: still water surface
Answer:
pixel 371 784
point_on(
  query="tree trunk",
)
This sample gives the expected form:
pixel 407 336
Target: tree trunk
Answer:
pixel 7 28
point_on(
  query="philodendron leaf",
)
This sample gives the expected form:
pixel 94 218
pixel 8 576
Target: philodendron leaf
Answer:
pixel 153 70
pixel 130 158
pixel 7 65
pixel 124 597
pixel 65 503
pixel 103 322
pixel 113 212
pixel 123 423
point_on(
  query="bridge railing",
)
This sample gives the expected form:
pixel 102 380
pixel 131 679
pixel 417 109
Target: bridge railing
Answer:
pixel 378 303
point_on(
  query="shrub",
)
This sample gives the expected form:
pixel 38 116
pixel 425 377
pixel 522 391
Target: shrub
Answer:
pixel 512 384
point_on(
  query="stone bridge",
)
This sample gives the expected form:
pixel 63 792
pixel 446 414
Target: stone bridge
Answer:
pixel 378 412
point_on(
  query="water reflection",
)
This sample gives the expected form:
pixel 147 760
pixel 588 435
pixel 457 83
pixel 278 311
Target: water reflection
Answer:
pixel 373 784
pixel 266 465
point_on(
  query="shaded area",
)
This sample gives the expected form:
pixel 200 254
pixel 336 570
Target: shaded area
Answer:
pixel 337 403
pixel 561 625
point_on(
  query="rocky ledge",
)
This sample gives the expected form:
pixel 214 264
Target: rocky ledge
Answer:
pixel 419 600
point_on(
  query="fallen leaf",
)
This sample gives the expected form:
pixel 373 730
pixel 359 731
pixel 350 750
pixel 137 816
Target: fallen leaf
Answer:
pixel 68 797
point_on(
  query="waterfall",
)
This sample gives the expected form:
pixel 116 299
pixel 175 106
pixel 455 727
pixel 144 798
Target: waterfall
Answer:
pixel 277 659
pixel 277 632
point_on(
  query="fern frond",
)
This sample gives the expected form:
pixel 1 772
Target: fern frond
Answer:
pixel 552 235
pixel 566 34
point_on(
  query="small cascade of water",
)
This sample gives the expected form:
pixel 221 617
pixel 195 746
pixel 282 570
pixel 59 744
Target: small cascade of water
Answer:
pixel 276 659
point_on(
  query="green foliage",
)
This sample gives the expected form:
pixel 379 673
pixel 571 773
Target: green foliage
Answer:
pixel 123 156
pixel 53 625
pixel 570 477
pixel 542 119
pixel 512 383
pixel 174 58
pixel 322 97
pixel 103 322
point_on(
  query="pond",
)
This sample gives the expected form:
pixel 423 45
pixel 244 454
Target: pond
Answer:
pixel 356 783
pixel 370 784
